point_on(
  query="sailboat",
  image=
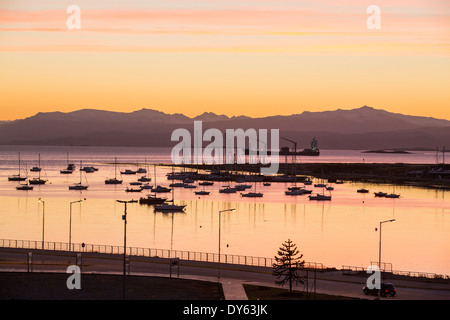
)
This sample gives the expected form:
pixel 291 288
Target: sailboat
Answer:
pixel 145 178
pixel 78 186
pixel 202 192
pixel 151 199
pixel 25 187
pixel 252 194
pixel 17 177
pixel 392 195
pixel 295 191
pixel 70 167
pixel 38 180
pixel 167 207
pixel 159 189
pixel 320 197
pixel 114 180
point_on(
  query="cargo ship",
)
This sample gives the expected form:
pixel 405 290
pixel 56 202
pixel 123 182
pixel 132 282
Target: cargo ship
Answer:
pixel 313 151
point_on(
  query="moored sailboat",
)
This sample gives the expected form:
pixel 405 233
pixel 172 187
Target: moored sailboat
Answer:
pixel 17 177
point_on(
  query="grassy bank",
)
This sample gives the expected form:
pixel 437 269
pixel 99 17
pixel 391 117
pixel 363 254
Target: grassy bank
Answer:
pixel 52 286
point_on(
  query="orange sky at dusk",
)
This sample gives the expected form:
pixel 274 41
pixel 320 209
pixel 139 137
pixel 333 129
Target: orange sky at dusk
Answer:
pixel 254 58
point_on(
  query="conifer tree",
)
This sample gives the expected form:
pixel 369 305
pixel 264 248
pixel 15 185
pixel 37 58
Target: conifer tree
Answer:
pixel 288 264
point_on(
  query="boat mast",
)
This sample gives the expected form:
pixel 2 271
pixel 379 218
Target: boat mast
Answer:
pixel 39 166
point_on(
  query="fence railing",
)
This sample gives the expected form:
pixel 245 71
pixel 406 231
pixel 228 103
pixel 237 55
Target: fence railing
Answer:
pixel 147 252
pixel 388 269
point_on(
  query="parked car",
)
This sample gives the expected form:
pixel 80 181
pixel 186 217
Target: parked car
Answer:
pixel 387 289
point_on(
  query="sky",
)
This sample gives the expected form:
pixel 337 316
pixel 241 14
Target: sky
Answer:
pixel 250 57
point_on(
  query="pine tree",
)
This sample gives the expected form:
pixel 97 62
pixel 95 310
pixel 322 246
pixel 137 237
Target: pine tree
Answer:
pixel 287 265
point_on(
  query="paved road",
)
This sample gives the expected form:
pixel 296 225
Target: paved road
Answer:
pixel 231 276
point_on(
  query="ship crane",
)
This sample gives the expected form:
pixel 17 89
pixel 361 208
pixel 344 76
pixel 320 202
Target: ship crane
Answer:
pixel 295 148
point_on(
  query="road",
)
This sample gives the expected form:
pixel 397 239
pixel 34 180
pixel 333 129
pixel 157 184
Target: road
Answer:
pixel 231 276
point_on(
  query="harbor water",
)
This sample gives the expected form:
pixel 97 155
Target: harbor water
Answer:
pixel 335 233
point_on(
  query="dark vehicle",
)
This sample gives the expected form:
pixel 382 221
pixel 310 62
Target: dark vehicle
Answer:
pixel 387 289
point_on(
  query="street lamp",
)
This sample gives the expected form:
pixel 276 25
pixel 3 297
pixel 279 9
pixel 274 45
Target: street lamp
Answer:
pixel 124 218
pixel 220 219
pixel 70 222
pixel 379 255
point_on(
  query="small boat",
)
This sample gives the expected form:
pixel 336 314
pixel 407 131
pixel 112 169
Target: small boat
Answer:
pixel 190 186
pixel 392 195
pixel 330 188
pixel 78 186
pixel 178 185
pixel 362 190
pixel 320 197
pixel 88 169
pixel 133 190
pixel 128 171
pixel 25 187
pixel 114 180
pixel 267 184
pixel 35 169
pixel 37 180
pixel 294 192
pixel 307 182
pixel 206 183
pixel 242 187
pixel 227 190
pixel 339 182
pixel 17 177
pixel 144 179
pixel 66 171
pixel 169 207
pixel 380 194
pixel 146 186
pixel 141 170
pixel 320 185
pixel 252 195
pixel 70 167
pixel 161 189
pixel 152 199
pixel 202 193
pixel 135 183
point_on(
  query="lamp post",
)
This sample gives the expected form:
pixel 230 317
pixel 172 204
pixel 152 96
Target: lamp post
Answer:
pixel 124 218
pixel 379 254
pixel 220 219
pixel 70 223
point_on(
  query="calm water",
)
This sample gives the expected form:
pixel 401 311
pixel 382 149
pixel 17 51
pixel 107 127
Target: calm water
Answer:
pixel 335 233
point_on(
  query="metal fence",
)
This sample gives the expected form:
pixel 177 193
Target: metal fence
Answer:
pixel 148 252
pixel 387 268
